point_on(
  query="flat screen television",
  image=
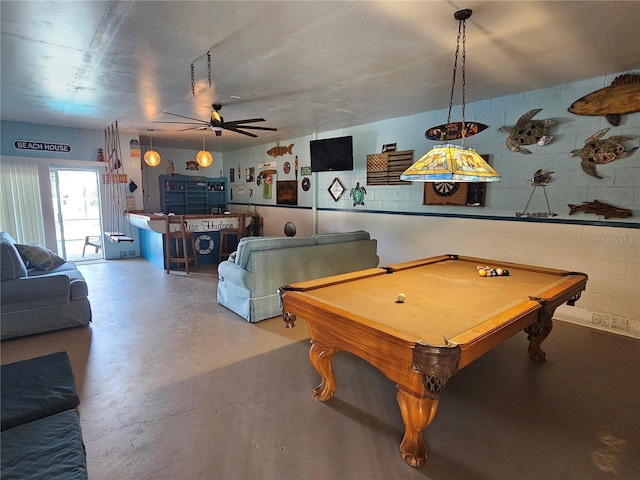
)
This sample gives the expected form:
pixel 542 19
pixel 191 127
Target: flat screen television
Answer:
pixel 332 154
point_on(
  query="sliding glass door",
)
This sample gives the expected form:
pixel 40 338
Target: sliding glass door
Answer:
pixel 76 204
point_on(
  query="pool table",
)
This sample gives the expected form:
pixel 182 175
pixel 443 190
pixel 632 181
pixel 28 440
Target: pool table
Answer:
pixel 449 317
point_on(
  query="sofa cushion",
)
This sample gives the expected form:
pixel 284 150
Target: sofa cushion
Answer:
pixel 77 283
pixel 36 388
pixel 39 257
pixel 254 244
pixel 325 238
pixel 11 264
pixel 48 448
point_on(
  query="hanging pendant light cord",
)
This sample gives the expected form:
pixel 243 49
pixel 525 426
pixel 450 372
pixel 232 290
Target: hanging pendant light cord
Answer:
pixel 462 27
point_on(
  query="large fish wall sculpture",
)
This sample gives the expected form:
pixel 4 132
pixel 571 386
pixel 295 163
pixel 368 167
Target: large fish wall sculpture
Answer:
pixel 600 208
pixel 621 98
pixel 527 132
pixel 598 151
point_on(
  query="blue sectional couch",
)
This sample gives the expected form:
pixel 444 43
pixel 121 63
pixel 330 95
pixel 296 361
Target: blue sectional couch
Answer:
pixel 41 293
pixel 248 282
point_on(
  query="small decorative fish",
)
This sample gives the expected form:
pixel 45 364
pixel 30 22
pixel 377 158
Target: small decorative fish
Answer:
pixel 598 152
pixel 600 208
pixel 192 165
pixel 527 132
pixel 621 98
pixel 279 151
pixel 540 178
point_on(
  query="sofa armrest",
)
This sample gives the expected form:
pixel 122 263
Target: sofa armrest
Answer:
pixel 233 273
pixel 34 292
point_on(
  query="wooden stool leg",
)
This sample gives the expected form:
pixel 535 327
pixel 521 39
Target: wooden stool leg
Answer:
pixel 167 253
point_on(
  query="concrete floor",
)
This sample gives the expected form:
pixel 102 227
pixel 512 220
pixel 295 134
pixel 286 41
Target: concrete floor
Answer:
pixel 174 386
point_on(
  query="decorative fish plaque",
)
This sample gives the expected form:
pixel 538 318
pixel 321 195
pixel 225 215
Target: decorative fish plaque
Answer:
pixel 600 208
pixel 621 98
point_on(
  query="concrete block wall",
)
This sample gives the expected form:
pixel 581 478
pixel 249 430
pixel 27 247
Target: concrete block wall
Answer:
pixel 608 251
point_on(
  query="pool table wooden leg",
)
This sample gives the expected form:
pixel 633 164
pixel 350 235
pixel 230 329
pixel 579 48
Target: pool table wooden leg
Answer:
pixel 538 332
pixel 417 413
pixel 322 359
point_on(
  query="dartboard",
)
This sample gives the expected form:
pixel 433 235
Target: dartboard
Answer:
pixel 445 189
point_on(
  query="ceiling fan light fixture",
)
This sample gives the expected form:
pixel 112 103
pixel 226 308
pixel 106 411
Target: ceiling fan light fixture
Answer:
pixel 453 163
pixel 151 157
pixel 204 158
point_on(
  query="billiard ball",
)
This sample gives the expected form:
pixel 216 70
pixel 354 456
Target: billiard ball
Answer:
pixel 401 298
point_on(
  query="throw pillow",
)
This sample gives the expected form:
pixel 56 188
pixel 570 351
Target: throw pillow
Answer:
pixel 11 264
pixel 39 257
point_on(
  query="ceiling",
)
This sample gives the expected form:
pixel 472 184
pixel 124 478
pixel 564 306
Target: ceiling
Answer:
pixel 306 67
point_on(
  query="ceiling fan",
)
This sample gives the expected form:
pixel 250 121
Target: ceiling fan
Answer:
pixel 217 123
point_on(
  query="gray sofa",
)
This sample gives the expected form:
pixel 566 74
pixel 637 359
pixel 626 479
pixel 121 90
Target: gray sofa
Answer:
pixel 40 294
pixel 248 282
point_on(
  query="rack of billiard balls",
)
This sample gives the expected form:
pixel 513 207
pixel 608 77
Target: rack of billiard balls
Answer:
pixel 487 271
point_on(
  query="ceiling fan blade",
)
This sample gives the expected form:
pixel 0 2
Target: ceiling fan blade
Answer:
pixel 192 128
pixel 189 118
pixel 248 120
pixel 271 129
pixel 235 129
pixel 187 123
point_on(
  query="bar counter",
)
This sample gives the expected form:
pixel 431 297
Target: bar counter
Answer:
pixel 152 228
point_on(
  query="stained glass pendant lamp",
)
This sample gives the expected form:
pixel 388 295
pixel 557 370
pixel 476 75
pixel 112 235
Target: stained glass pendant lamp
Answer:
pixel 449 162
pixel 204 158
pixel 151 157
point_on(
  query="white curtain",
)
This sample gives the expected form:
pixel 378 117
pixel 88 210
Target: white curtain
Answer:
pixel 20 203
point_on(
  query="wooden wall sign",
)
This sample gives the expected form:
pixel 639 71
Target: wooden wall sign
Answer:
pixel 386 168
pixel 287 192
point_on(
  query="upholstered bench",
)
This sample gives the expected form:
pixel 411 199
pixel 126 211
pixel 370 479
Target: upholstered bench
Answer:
pixel 41 435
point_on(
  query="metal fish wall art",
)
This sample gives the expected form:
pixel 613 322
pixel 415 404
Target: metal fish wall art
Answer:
pixel 600 208
pixel 279 151
pixel 528 131
pixel 598 151
pixel 621 98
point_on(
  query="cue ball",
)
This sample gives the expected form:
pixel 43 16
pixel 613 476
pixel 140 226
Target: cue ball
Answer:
pixel 401 298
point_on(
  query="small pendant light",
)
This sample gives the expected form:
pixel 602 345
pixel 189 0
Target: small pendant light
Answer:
pixel 204 158
pixel 151 157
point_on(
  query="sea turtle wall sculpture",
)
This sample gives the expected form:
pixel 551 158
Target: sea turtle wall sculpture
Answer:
pixel 528 131
pixel 358 194
pixel 598 151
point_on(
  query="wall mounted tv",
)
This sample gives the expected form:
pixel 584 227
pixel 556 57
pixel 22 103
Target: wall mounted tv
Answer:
pixel 332 154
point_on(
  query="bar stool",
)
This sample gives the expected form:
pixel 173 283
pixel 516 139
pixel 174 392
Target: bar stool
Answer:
pixel 227 235
pixel 176 230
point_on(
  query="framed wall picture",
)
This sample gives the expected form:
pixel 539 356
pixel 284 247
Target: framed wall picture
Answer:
pixel 336 189
pixel 287 192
